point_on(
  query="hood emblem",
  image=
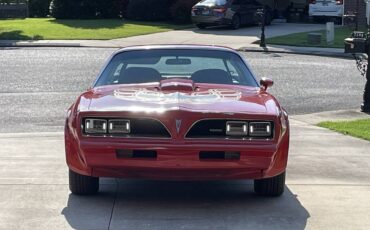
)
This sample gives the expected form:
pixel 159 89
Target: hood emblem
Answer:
pixel 178 125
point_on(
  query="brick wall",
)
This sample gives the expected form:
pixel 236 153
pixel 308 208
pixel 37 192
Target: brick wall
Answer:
pixel 351 5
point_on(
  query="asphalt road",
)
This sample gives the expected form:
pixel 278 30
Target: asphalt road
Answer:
pixel 38 84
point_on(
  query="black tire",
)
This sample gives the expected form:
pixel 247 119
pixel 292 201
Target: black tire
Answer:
pixel 273 186
pixel 201 26
pixel 235 23
pixel 83 185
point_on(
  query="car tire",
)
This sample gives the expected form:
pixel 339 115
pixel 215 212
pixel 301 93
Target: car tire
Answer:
pixel 83 185
pixel 273 186
pixel 235 22
pixel 201 26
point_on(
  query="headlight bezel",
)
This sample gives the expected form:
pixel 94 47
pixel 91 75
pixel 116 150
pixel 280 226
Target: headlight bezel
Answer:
pixel 111 126
pixel 254 132
pixel 87 123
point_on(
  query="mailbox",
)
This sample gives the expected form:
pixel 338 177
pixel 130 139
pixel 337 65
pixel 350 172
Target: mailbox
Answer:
pixel 355 45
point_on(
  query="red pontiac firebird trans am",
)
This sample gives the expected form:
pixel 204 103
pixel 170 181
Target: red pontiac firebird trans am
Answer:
pixel 177 112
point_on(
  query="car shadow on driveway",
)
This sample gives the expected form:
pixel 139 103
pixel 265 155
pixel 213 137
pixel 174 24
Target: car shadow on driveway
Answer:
pixel 184 205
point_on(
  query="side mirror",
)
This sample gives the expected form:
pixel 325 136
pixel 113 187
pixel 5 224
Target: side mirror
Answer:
pixel 266 83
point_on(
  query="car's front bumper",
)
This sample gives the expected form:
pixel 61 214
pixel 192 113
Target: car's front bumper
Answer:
pixel 177 160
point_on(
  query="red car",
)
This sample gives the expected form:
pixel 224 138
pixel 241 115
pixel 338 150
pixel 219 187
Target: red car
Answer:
pixel 177 113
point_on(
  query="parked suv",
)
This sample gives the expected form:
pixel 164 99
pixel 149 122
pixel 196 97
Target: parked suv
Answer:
pixel 228 12
pixel 319 9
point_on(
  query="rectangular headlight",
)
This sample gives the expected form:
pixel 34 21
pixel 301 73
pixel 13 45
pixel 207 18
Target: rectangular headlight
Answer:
pixel 260 129
pixel 95 126
pixel 119 126
pixel 236 128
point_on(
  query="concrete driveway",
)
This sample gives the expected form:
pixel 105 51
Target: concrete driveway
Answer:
pixel 217 35
pixel 328 187
pixel 222 36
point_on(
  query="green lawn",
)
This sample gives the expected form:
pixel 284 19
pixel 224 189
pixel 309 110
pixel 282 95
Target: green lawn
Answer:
pixel 52 29
pixel 300 39
pixel 357 128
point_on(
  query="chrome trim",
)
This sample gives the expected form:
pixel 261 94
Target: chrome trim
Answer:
pixel 111 136
pixel 233 139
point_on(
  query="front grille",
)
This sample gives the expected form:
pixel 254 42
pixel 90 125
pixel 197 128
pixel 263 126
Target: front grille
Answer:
pixel 139 128
pixel 216 129
pixel 208 129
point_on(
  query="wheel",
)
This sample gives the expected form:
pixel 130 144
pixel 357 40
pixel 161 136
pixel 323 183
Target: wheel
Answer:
pixel 83 185
pixel 273 186
pixel 201 26
pixel 235 23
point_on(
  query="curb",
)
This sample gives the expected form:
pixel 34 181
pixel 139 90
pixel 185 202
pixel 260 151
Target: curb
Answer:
pixel 30 44
pixel 25 44
pixel 297 50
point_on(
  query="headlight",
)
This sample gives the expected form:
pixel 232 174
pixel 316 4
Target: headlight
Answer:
pixel 119 126
pixel 260 129
pixel 236 128
pixel 97 126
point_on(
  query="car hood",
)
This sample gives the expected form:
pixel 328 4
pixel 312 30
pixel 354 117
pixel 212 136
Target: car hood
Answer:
pixel 205 98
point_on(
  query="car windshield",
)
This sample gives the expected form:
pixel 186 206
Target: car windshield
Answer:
pixel 201 66
pixel 214 2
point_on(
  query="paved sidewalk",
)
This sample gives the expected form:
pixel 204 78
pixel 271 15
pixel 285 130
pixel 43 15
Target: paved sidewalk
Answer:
pixel 319 51
pixel 328 187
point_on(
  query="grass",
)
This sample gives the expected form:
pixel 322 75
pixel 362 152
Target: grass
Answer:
pixel 300 39
pixel 52 29
pixel 357 128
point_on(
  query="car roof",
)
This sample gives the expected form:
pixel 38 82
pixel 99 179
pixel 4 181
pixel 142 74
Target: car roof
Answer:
pixel 191 47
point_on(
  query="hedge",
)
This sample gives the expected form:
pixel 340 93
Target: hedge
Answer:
pixel 88 9
pixel 147 10
pixel 38 8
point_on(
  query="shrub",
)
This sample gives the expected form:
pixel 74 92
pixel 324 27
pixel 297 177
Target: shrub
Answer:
pixel 181 10
pixel 149 10
pixel 88 9
pixel 38 8
pixel 65 9
pixel 111 8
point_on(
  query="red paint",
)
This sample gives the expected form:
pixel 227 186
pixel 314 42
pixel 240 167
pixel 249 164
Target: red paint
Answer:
pixel 177 157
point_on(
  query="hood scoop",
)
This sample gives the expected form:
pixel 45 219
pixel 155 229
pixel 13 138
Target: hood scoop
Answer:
pixel 177 85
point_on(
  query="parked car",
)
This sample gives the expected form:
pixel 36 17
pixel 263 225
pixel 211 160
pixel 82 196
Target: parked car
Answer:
pixel 319 9
pixel 228 12
pixel 177 113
